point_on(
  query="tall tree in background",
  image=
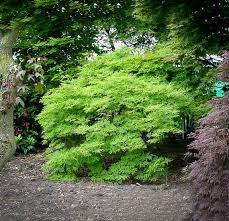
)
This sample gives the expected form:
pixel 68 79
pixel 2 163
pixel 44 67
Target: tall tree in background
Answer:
pixel 198 26
pixel 67 32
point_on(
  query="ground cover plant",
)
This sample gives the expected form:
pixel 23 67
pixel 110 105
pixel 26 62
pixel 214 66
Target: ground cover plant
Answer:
pixel 113 112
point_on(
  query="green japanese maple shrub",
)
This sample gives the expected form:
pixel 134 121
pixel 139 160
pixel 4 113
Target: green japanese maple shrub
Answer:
pixel 112 113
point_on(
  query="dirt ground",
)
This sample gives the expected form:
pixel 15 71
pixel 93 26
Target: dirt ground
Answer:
pixel 26 195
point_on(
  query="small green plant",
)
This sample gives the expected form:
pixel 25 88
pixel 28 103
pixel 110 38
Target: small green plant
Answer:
pixel 25 144
pixel 112 113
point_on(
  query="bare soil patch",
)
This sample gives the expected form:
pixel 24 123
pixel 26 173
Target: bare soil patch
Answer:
pixel 27 195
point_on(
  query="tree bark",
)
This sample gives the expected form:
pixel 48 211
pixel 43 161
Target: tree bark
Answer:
pixel 110 39
pixel 7 139
pixel 7 97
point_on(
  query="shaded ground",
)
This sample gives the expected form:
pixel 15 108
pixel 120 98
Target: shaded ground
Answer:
pixel 25 194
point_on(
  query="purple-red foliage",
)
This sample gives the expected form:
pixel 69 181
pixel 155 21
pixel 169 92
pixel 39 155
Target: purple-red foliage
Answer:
pixel 210 173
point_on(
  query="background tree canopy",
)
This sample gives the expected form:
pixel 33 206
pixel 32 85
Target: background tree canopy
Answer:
pixel 65 32
pixel 198 25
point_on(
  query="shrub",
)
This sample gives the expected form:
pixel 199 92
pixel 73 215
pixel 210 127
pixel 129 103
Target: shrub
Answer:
pixel 210 173
pixel 26 129
pixel 24 145
pixel 110 113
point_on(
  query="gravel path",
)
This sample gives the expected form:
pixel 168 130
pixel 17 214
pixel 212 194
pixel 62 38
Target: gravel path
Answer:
pixel 26 195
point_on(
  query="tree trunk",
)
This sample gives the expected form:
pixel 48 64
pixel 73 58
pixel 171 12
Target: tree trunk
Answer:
pixel 110 39
pixel 7 98
pixel 7 139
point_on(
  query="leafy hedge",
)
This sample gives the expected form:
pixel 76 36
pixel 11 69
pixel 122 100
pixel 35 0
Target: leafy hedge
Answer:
pixel 112 113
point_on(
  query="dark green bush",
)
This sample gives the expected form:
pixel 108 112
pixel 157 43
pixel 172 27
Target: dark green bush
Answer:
pixel 113 110
pixel 26 128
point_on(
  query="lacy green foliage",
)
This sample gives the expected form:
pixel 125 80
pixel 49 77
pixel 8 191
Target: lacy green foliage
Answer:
pixel 136 165
pixel 166 62
pixel 133 165
pixel 113 108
